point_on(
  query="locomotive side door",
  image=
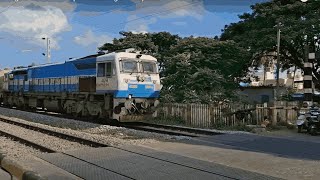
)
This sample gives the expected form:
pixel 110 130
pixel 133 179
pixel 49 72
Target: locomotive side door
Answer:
pixel 106 77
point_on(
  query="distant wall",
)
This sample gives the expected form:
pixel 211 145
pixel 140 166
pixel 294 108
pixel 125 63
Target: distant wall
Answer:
pixel 259 94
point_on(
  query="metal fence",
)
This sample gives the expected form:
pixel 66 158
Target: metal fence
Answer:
pixel 211 115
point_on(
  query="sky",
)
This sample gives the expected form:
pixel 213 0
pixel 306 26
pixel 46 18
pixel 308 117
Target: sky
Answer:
pixel 76 28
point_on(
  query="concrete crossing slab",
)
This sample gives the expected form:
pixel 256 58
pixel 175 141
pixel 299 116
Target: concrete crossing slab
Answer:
pixel 132 162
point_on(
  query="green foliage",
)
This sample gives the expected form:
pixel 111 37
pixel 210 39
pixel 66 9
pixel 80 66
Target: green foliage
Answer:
pixel 192 69
pixel 203 70
pixel 271 127
pixel 257 31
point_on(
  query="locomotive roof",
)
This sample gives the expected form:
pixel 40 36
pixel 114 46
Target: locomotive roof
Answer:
pixel 56 63
pixel 73 60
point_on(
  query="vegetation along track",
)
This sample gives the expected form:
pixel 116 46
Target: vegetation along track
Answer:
pixel 43 148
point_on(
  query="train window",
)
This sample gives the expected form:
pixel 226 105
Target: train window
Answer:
pixel 149 67
pixel 101 70
pixel 25 77
pixel 129 66
pixel 109 69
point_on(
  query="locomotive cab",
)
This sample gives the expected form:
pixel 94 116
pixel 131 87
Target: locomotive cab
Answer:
pixel 133 81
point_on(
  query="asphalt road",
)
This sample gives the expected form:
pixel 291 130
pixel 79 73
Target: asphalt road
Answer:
pixel 289 147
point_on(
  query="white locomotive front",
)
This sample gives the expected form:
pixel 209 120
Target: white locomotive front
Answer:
pixel 134 82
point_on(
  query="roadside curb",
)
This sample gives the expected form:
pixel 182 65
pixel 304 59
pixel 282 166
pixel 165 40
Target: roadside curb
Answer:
pixel 17 170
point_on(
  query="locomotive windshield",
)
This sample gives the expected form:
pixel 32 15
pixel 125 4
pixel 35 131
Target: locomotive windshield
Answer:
pixel 149 67
pixel 129 66
pixel 132 65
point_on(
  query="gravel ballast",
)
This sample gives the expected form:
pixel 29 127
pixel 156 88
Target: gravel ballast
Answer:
pixel 45 140
pixel 15 150
pixel 100 133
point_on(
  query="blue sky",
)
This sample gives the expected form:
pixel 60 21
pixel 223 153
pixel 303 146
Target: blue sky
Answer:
pixel 78 27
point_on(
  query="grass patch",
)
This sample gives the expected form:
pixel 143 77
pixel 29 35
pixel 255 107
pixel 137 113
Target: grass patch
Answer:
pixel 271 127
pixel 237 127
pixel 171 120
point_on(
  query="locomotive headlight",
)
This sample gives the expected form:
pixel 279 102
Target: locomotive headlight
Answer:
pixel 130 96
pixel 154 81
pixel 126 80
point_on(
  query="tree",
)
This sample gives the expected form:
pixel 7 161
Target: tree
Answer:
pixel 156 44
pixel 203 70
pixel 192 69
pixel 257 31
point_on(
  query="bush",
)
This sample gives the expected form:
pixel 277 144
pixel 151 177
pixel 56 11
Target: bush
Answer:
pixel 238 127
pixel 282 123
pixel 273 127
pixel 219 125
pixel 291 126
pixel 285 124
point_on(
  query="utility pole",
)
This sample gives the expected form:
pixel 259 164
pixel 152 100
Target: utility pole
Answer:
pixel 278 61
pixel 276 91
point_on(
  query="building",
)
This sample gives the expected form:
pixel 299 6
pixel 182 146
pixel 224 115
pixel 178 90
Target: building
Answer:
pixel 263 88
pixel 261 94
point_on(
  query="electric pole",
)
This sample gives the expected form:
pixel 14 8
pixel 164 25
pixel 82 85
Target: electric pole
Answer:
pixel 278 61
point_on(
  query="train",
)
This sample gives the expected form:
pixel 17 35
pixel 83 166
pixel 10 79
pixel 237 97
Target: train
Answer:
pixel 123 85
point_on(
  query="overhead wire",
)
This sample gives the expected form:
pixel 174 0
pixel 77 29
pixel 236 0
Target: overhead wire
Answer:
pixel 157 13
pixel 107 12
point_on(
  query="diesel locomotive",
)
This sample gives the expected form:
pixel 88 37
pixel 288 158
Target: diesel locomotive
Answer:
pixel 122 86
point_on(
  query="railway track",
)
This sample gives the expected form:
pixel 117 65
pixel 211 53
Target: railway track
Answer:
pixel 170 129
pixel 142 126
pixel 43 148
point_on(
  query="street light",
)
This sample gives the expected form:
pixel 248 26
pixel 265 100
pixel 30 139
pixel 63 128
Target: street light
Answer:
pixel 48 55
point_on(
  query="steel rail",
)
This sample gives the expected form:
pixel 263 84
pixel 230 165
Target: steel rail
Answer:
pixel 178 129
pixel 56 134
pixel 157 130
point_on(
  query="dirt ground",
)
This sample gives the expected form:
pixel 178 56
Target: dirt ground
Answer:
pixel 268 164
